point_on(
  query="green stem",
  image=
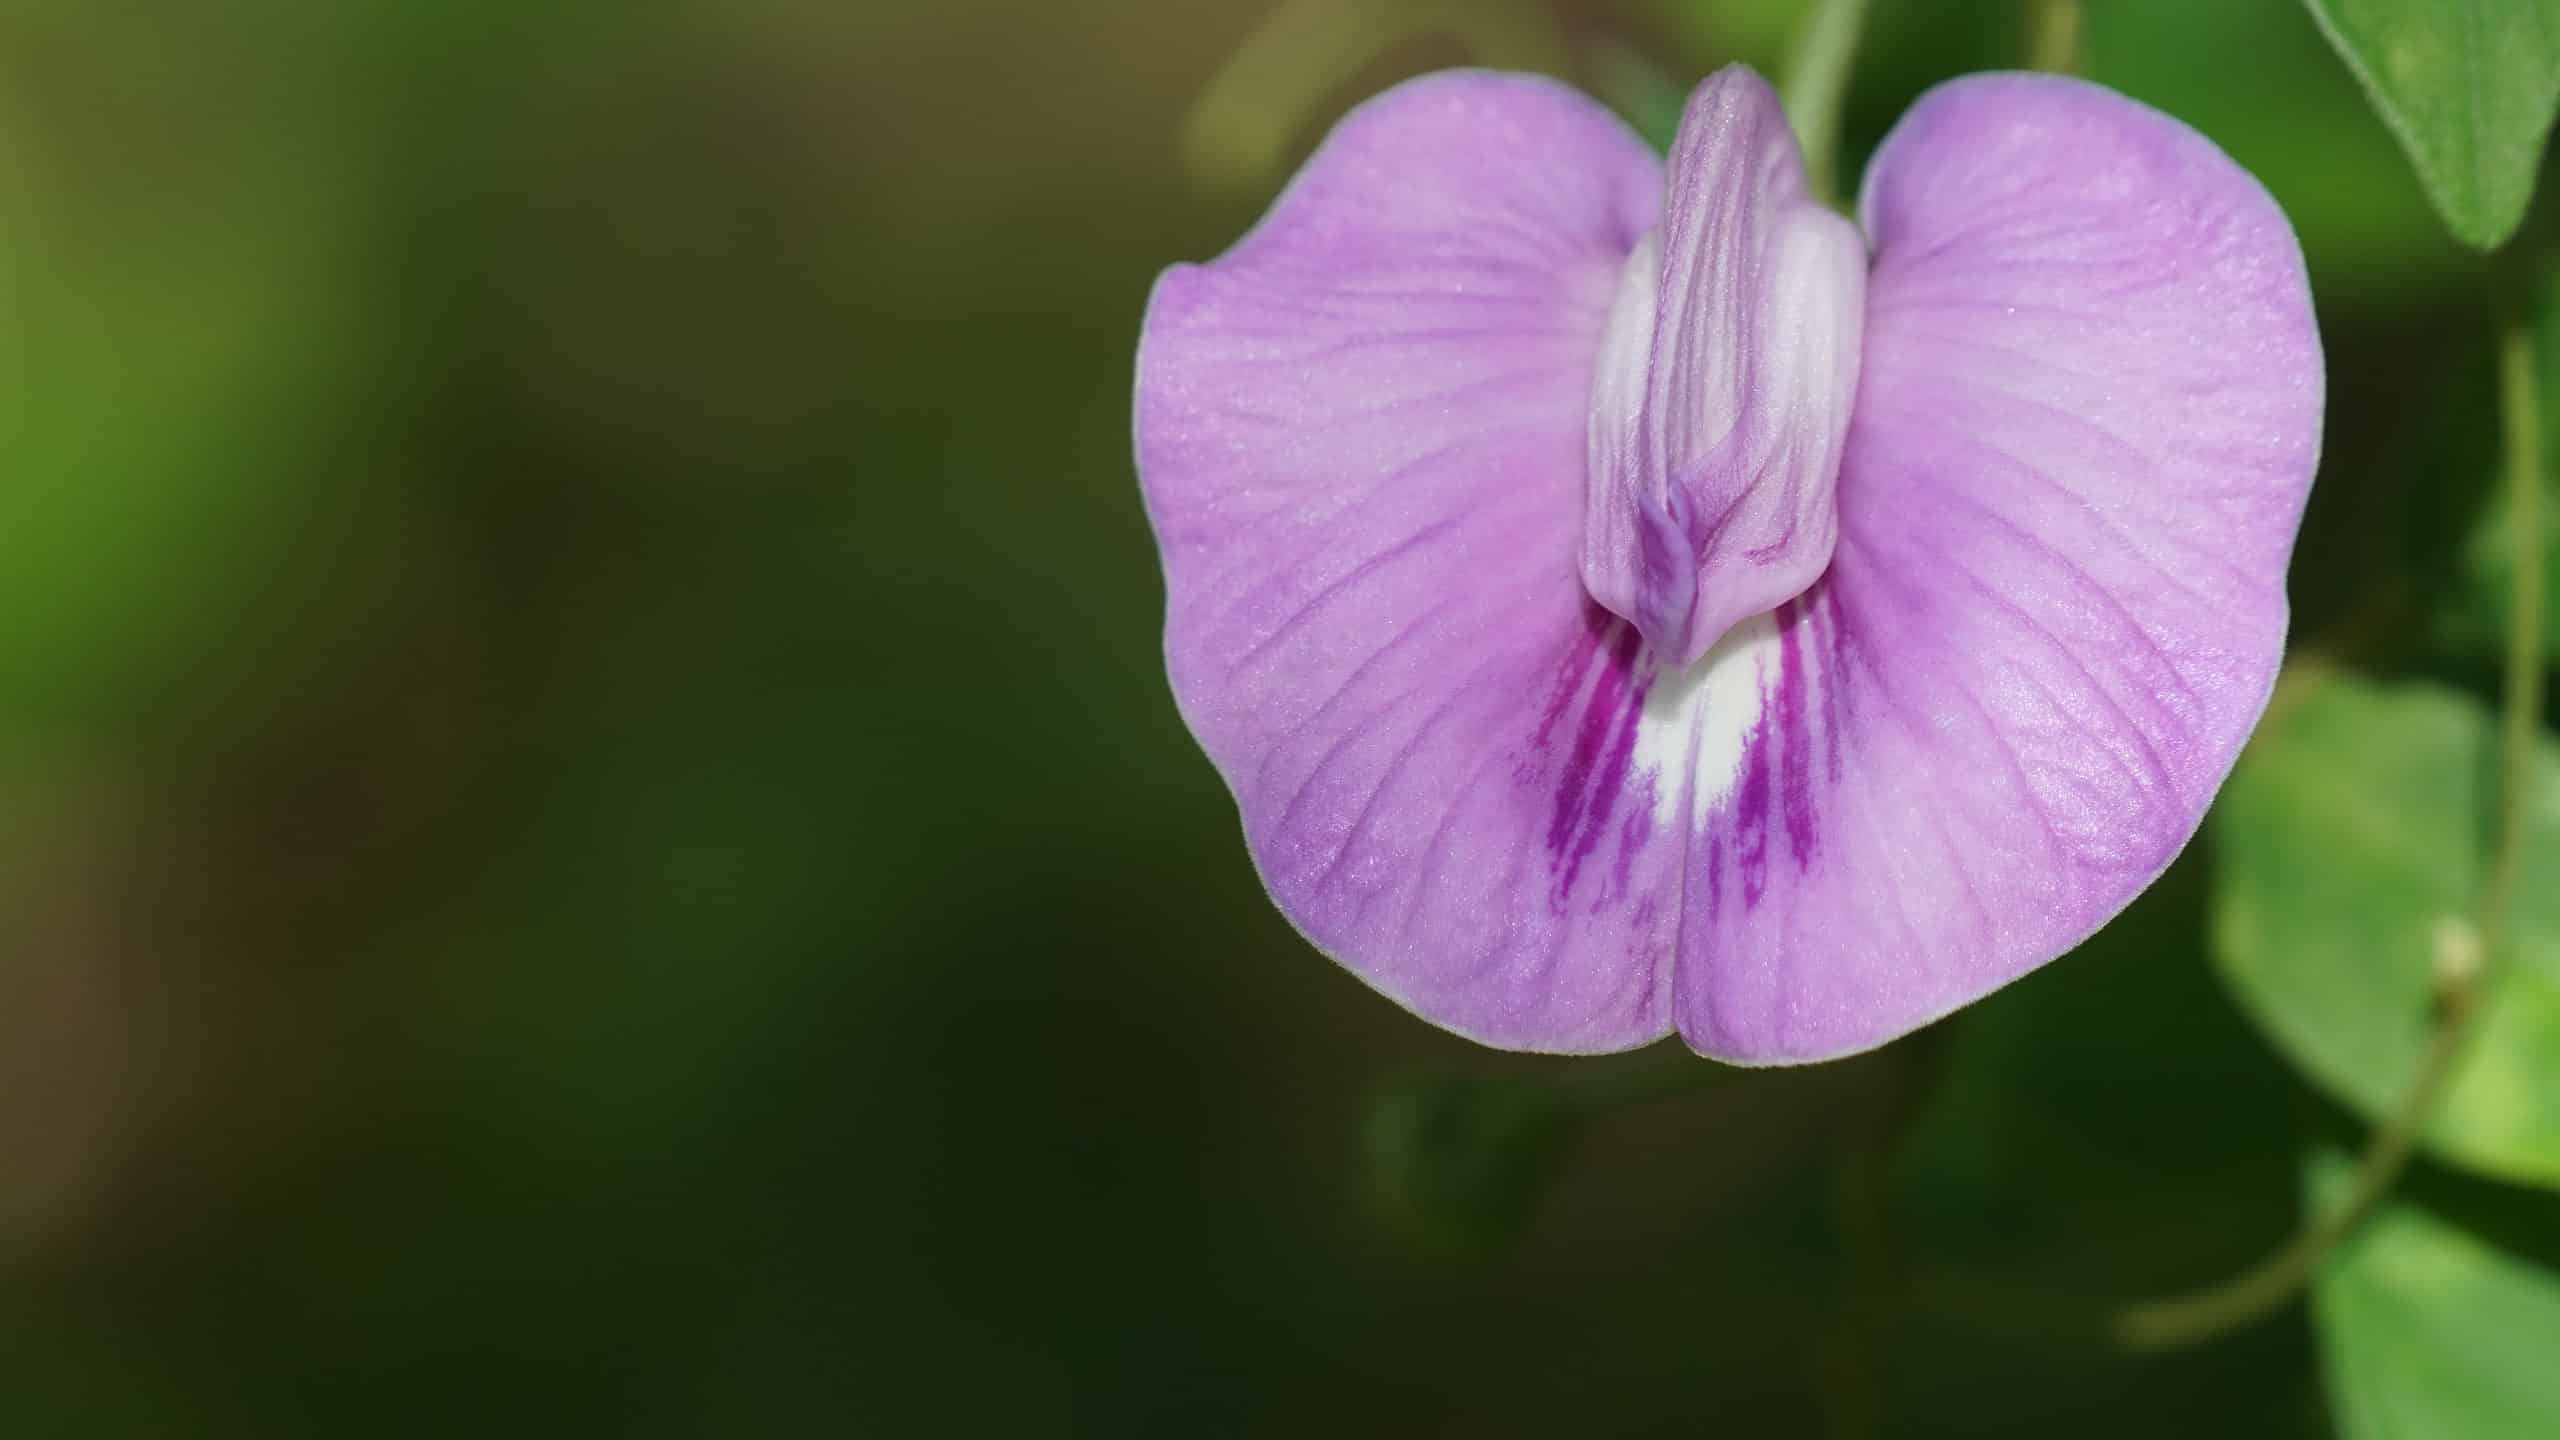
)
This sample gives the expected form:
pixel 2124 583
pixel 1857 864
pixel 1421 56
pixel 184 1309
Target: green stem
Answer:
pixel 1817 80
pixel 2520 391
pixel 2054 31
pixel 2267 1286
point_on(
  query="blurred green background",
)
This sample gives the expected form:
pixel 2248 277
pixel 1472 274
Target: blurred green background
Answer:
pixel 592 839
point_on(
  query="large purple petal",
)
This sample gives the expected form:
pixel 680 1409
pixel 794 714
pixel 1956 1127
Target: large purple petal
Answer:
pixel 1361 437
pixel 2087 420
pixel 1725 377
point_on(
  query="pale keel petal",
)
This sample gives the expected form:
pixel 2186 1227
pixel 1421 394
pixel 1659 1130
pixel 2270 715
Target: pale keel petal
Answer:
pixel 1713 459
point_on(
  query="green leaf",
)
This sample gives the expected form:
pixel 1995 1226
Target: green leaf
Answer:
pixel 1640 88
pixel 2428 1328
pixel 1459 1163
pixel 1277 83
pixel 2258 79
pixel 2349 851
pixel 2469 87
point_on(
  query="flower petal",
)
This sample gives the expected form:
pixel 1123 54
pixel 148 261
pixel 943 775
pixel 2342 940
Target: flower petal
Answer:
pixel 2087 421
pixel 1361 438
pixel 1726 373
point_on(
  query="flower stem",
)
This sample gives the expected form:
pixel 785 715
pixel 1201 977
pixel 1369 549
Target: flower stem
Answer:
pixel 2054 32
pixel 2266 1287
pixel 2462 972
pixel 1817 80
pixel 2520 398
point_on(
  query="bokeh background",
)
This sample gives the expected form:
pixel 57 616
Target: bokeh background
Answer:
pixel 592 839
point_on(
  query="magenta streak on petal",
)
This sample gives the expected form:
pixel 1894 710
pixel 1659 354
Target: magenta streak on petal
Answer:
pixel 1795 784
pixel 1615 778
pixel 1749 817
pixel 1603 744
pixel 1632 834
pixel 1836 684
pixel 1569 678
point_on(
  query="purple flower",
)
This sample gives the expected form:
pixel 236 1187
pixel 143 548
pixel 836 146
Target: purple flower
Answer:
pixel 1625 601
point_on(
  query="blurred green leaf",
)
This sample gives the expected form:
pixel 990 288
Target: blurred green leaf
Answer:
pixel 188 379
pixel 2469 87
pixel 1639 88
pixel 2257 80
pixel 2428 1328
pixel 1459 1162
pixel 1756 32
pixel 1274 87
pixel 2350 846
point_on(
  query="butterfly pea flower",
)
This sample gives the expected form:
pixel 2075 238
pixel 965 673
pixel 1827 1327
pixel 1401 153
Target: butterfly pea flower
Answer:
pixel 1628 597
